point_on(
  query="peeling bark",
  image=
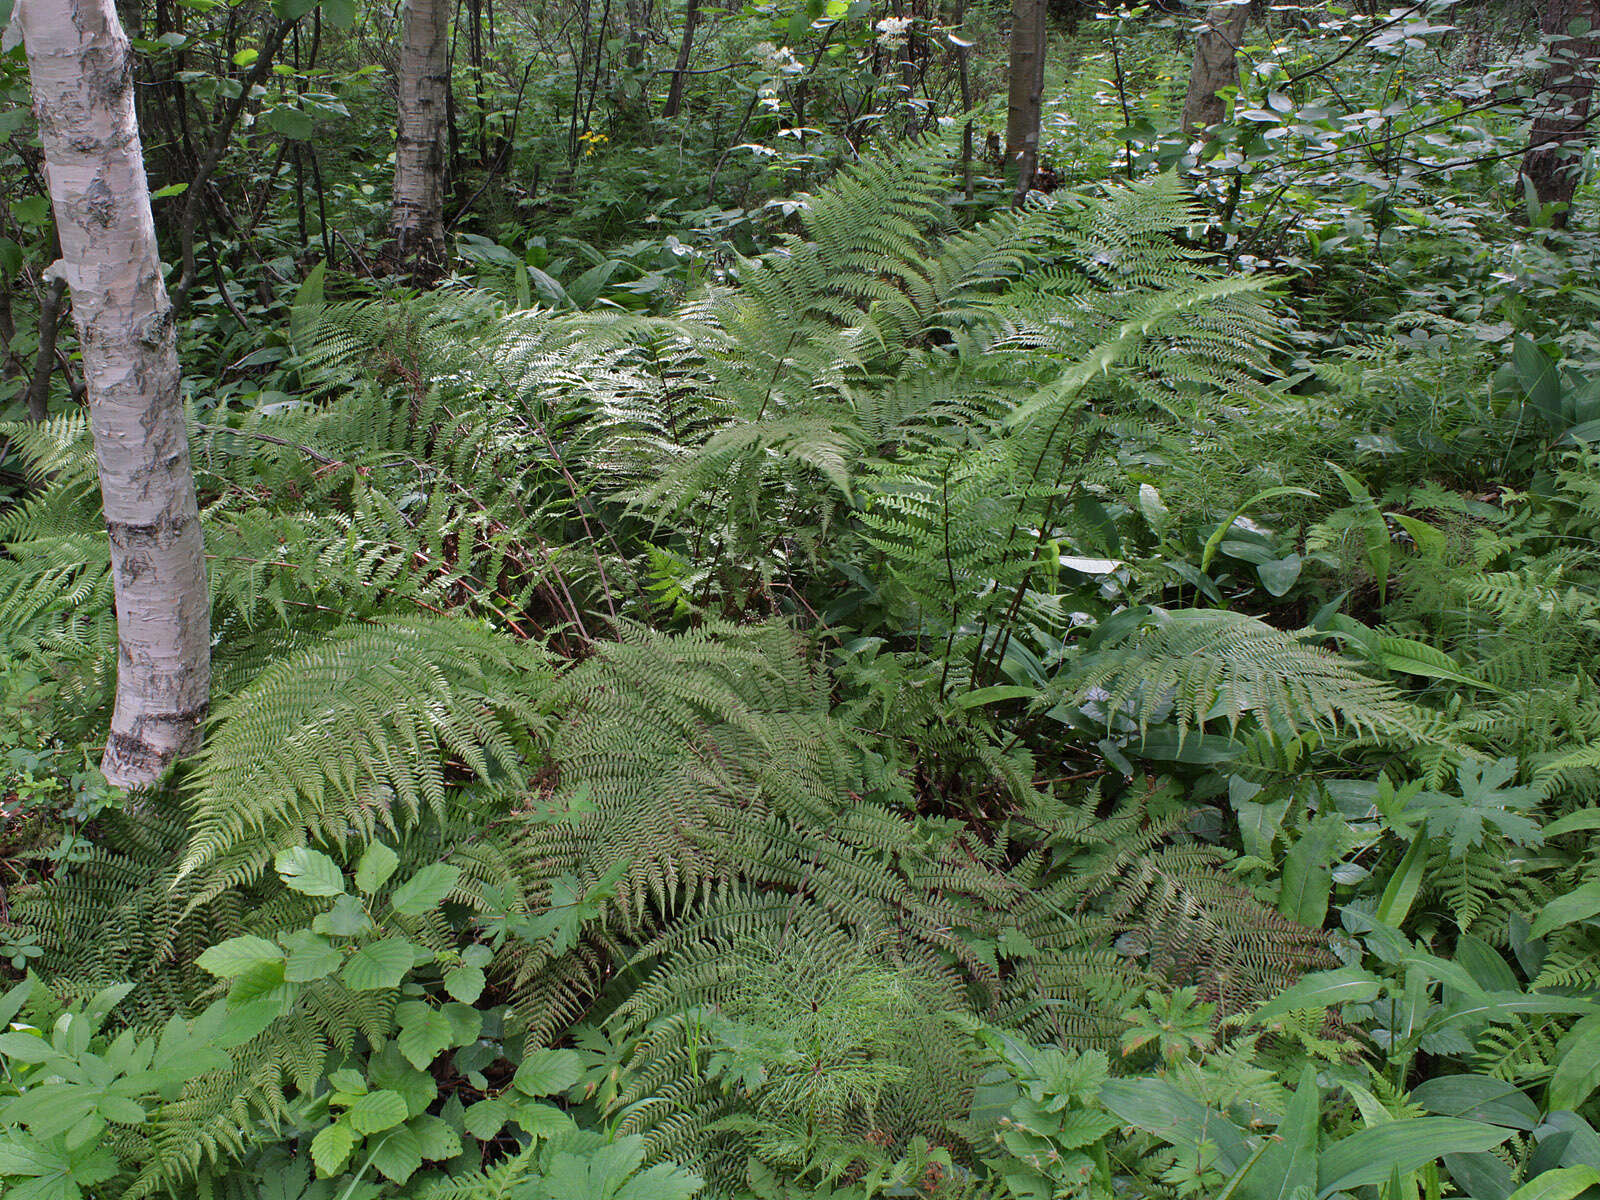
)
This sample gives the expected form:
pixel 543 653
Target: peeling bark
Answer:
pixel 419 156
pixel 1216 65
pixel 82 78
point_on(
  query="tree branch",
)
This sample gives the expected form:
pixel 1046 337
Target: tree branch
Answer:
pixel 44 360
pixel 194 196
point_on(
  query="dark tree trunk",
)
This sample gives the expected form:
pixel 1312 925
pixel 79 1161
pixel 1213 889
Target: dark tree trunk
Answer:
pixel 1553 162
pixel 691 18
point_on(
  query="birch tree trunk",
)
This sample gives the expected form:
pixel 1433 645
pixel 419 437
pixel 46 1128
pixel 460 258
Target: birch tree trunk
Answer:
pixel 1025 92
pixel 1554 158
pixel 82 78
pixel 1216 65
pixel 419 156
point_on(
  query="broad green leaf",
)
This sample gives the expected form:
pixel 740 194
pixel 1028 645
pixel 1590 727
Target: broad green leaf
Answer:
pixel 262 981
pixel 541 1120
pixel 377 1111
pixel 293 123
pixel 1430 542
pixel 1584 818
pixel 1411 657
pixel 548 1072
pixel 435 1139
pixel 425 889
pixel 1369 1157
pixel 244 1022
pixel 1374 530
pixel 1404 884
pixel 377 864
pixel 311 956
pixel 424 1033
pixel 1563 1183
pixel 309 872
pixel 1153 509
pixel 1308 874
pixel 1577 905
pixel 381 964
pixel 1214 542
pixel 26 1047
pixel 1322 989
pixel 349 1080
pixel 345 919
pixel 466 1023
pixel 398 1155
pixel 331 1148
pixel 121 1109
pixel 486 1118
pixel 1157 1107
pixel 1292 1157
pixel 464 983
pixel 664 1181
pixel 1279 575
pixel 1577 1072
pixel 993 695
pixel 238 955
pixel 1477 1098
pixel 1480 1175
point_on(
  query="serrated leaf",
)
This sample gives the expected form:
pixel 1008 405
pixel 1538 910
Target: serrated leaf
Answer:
pixel 237 955
pixel 548 1072
pixel 465 983
pixel 466 1023
pixel 377 1111
pixel 345 919
pixel 486 1118
pixel 331 1148
pixel 425 889
pixel 347 1080
pixel 398 1156
pixel 541 1120
pixel 381 964
pixel 309 871
pixel 424 1033
pixel 375 868
pixel 435 1139
pixel 26 1047
pixel 311 956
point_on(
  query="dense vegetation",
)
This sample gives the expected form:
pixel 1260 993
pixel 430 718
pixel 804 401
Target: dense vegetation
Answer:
pixel 770 670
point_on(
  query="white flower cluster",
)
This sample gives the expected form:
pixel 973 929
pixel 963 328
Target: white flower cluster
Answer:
pixel 892 30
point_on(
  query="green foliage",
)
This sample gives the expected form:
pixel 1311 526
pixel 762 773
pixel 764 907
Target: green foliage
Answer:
pixel 867 697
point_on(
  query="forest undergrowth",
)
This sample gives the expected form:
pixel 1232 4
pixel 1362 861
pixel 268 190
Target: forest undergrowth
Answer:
pixel 1092 699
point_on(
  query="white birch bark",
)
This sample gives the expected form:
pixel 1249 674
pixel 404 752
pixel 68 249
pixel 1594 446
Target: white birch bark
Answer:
pixel 82 79
pixel 419 155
